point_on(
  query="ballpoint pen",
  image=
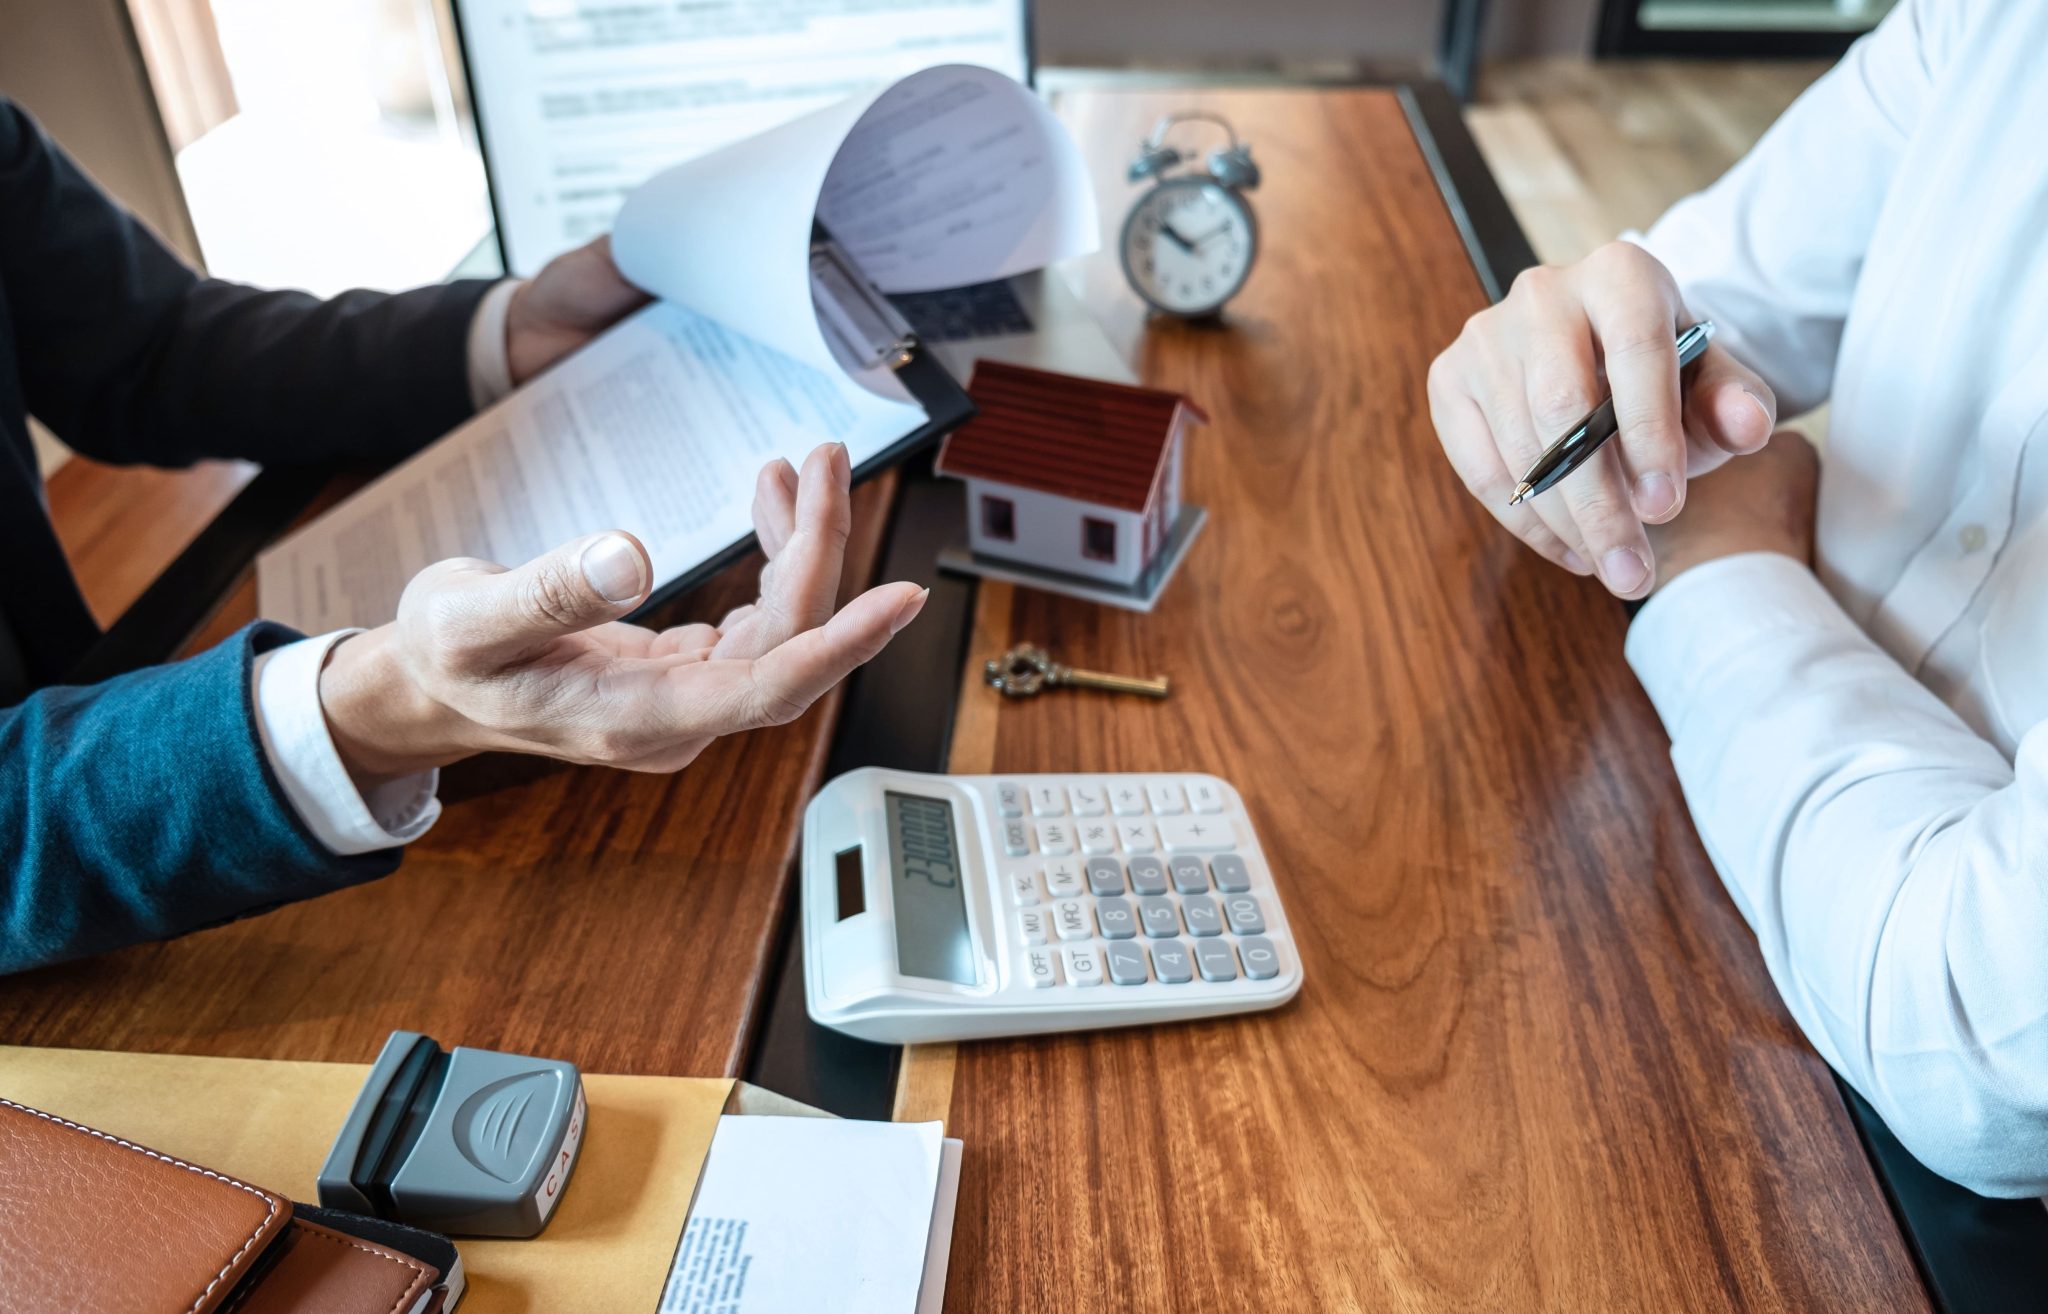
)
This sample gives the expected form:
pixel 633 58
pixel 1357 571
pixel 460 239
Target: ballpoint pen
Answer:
pixel 1577 447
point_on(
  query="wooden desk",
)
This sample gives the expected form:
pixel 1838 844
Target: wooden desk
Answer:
pixel 624 922
pixel 1536 1062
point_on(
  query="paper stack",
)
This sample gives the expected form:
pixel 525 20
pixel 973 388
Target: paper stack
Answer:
pixel 800 1215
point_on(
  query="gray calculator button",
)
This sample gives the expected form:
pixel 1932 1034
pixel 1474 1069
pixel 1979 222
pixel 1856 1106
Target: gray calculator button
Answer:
pixel 1160 921
pixel 1245 917
pixel 1016 839
pixel 1216 960
pixel 1229 871
pixel 1261 959
pixel 1148 876
pixel 1105 876
pixel 1189 875
pixel 1116 919
pixel 1010 798
pixel 1126 964
pixel 1170 962
pixel 1202 915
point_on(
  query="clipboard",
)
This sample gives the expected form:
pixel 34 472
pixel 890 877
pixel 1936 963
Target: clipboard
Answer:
pixel 863 327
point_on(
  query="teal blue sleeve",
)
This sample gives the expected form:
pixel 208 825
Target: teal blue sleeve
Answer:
pixel 144 807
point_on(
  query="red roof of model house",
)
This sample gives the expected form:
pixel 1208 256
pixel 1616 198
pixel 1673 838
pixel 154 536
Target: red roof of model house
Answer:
pixel 1073 437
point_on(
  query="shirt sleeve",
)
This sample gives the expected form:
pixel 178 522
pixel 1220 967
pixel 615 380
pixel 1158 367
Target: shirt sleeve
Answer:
pixel 295 739
pixel 1771 251
pixel 490 366
pixel 1893 864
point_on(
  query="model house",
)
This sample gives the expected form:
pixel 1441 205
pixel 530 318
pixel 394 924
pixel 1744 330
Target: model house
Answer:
pixel 1069 475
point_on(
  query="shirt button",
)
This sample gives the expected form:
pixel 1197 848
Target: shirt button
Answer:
pixel 1972 538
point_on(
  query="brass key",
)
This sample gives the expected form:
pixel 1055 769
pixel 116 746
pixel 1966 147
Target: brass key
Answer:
pixel 1027 668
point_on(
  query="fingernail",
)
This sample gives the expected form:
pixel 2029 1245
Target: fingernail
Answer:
pixel 1624 570
pixel 1748 414
pixel 908 612
pixel 1575 563
pixel 1655 495
pixel 614 568
pixel 1763 415
pixel 842 464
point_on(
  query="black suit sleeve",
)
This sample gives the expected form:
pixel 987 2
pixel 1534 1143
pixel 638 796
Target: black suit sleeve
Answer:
pixel 130 356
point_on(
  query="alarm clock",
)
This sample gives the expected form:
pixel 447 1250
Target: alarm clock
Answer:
pixel 1189 242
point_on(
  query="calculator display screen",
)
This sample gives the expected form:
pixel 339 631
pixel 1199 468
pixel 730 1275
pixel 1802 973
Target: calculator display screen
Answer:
pixel 929 894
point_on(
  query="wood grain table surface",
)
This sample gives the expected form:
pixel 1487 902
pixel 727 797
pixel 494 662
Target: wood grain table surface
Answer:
pixel 1536 1061
pixel 624 922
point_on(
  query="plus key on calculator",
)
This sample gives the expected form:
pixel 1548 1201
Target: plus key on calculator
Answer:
pixel 956 907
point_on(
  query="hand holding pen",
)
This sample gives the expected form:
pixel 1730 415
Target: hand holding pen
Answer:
pixel 1528 372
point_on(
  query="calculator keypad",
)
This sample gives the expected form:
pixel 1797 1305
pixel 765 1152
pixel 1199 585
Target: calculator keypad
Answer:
pixel 1132 882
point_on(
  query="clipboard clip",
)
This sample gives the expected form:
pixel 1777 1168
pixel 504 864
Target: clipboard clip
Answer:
pixel 860 325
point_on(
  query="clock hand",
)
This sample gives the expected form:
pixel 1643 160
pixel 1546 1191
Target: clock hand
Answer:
pixel 1197 241
pixel 1173 234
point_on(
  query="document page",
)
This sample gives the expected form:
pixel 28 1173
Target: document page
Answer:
pixel 581 100
pixel 658 428
pixel 954 175
pixel 805 1215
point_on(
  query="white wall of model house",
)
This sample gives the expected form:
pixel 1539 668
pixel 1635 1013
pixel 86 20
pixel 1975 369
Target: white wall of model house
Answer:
pixel 1049 533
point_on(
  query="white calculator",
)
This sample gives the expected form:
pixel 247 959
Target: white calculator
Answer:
pixel 960 907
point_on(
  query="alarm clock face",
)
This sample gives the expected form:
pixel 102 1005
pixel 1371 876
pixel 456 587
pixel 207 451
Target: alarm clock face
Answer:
pixel 1188 245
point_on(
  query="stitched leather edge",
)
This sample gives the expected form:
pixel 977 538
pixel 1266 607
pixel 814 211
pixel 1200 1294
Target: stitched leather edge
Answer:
pixel 269 1201
pixel 419 1270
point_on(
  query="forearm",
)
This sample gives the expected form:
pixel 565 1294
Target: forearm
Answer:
pixel 1891 862
pixel 130 355
pixel 285 378
pixel 144 808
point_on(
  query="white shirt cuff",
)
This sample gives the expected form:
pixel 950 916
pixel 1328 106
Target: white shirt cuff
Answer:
pixel 1690 629
pixel 490 368
pixel 302 754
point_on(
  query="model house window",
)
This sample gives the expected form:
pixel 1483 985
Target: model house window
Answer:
pixel 1098 539
pixel 999 518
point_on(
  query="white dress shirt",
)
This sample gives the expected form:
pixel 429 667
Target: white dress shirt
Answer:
pixel 1865 753
pixel 286 680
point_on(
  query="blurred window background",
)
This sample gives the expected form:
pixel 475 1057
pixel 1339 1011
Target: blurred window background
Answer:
pixel 321 144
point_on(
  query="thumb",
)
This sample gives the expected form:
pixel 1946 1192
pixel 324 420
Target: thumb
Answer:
pixel 1729 411
pixel 586 582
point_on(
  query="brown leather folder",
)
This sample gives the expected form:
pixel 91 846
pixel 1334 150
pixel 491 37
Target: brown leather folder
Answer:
pixel 90 1221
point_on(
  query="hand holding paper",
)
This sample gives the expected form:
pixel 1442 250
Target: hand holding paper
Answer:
pixel 576 296
pixel 534 660
pixel 953 175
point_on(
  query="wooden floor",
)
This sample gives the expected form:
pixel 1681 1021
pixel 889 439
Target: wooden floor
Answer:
pixel 1586 150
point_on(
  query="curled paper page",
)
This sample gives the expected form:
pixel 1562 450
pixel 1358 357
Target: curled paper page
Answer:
pixel 953 175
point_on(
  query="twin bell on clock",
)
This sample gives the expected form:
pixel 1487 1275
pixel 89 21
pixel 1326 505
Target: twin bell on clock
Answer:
pixel 1189 242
